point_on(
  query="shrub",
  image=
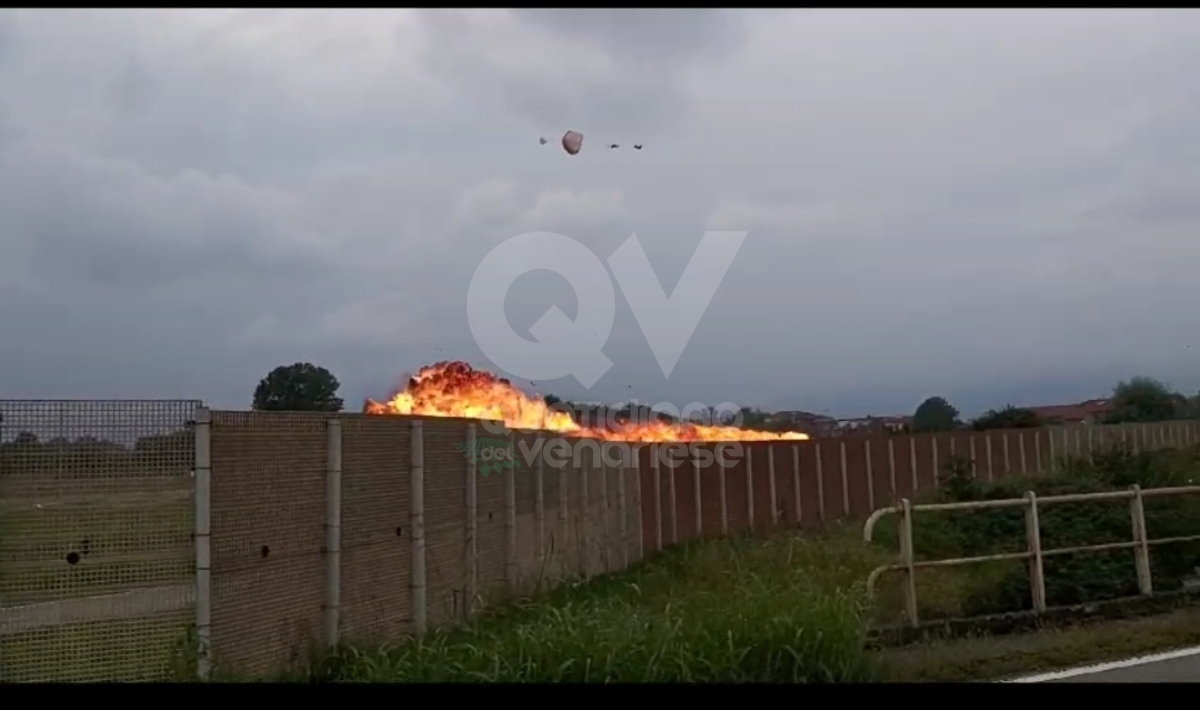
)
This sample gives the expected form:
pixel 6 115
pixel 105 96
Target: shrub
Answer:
pixel 1072 578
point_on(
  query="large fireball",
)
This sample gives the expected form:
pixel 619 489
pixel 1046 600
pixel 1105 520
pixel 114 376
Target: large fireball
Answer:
pixel 455 389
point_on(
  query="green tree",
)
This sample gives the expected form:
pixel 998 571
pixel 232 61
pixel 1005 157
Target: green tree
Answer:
pixel 935 414
pixel 300 387
pixel 1144 399
pixel 1009 417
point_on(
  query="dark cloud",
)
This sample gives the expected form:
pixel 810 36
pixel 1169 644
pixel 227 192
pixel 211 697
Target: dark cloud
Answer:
pixel 977 204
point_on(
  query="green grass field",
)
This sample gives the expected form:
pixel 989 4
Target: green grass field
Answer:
pixel 65 552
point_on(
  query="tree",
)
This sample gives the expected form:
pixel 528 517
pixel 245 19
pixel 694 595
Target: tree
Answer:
pixel 301 387
pixel 935 414
pixel 1009 417
pixel 1144 399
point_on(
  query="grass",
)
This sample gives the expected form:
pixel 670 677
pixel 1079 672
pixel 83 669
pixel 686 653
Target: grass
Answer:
pixel 90 539
pixel 785 609
pixel 121 650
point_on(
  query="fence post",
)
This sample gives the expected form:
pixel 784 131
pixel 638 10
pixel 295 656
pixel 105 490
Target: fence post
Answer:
pixel 637 494
pixel 605 512
pixel 937 478
pixel 1037 451
pixel 539 509
pixel 333 530
pixel 696 494
pixel 891 467
pixel 912 460
pixel 971 450
pixel 417 505
pixel 845 478
pixel 672 501
pixel 512 566
pixel 724 498
pixel 622 503
pixel 203 515
pixel 820 483
pixel 870 476
pixel 1141 552
pixel 658 523
pixel 564 520
pixel 771 490
pixel 1021 451
pixel 1033 536
pixel 583 544
pixel 987 449
pixel 750 486
pixel 908 559
pixel 796 483
pixel 471 549
pixel 1004 449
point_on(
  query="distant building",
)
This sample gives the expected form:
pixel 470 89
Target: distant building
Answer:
pixel 823 425
pixel 1092 411
pixel 868 426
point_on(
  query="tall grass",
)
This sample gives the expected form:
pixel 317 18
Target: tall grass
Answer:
pixel 789 608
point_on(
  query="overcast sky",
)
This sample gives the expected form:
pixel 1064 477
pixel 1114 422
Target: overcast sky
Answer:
pixel 989 205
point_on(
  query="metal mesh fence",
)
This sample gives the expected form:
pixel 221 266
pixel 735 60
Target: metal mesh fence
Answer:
pixel 96 551
pixel 268 529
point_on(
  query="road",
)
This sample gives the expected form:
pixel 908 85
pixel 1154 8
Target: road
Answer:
pixel 1179 666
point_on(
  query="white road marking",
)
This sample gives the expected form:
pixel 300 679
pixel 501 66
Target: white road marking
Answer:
pixel 1111 666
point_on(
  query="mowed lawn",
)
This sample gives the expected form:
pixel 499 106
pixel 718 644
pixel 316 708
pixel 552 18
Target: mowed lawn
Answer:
pixel 68 546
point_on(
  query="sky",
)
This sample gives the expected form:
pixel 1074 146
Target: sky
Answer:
pixel 989 205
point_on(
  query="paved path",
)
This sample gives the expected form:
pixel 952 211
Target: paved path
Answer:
pixel 1180 666
pixel 125 605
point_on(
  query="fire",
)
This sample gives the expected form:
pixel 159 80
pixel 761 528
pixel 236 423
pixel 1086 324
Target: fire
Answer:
pixel 455 389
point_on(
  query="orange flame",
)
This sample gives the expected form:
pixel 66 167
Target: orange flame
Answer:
pixel 455 389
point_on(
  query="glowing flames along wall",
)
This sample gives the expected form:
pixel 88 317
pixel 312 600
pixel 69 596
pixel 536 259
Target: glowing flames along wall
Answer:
pixel 455 389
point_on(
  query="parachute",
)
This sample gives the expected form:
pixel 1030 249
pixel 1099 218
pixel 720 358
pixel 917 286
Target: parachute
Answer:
pixel 572 143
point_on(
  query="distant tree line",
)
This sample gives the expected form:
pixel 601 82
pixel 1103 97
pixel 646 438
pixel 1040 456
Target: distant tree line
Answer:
pixel 1141 399
pixel 303 386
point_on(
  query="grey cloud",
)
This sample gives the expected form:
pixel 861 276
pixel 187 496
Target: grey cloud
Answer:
pixel 985 205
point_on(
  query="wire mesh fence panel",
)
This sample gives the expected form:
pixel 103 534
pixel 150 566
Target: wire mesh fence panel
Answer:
pixel 268 531
pixel 96 553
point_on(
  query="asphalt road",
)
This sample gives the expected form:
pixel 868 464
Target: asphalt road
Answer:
pixel 1180 666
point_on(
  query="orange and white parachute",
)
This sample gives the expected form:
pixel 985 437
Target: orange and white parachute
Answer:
pixel 572 143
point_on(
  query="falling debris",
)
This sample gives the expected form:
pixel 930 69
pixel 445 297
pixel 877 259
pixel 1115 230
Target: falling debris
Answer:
pixel 572 143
